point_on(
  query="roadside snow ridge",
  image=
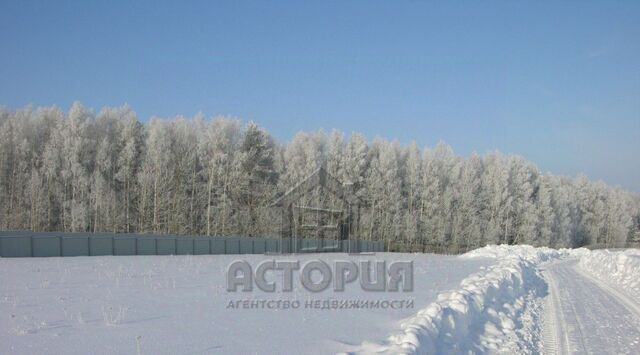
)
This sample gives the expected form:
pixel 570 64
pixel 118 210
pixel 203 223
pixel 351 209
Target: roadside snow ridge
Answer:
pixel 619 268
pixel 495 310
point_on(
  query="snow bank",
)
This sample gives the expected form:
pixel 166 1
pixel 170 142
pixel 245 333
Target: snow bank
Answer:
pixel 527 252
pixel 493 311
pixel 621 268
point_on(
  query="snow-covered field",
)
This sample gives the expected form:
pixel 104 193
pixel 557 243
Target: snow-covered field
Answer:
pixel 178 305
pixel 496 299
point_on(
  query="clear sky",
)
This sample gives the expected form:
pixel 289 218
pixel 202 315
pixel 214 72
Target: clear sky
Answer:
pixel 557 82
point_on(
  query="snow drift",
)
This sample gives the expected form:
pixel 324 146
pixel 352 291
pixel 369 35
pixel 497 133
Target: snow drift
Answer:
pixel 526 252
pixel 621 268
pixel 493 311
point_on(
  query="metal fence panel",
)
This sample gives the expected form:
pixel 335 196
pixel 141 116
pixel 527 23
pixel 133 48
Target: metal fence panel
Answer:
pixel 285 246
pixel 75 246
pixel 146 246
pixel 100 245
pixel 232 245
pixel 353 246
pixel 124 246
pixel 271 246
pixel 344 246
pixel 306 246
pixel 16 246
pixel 361 245
pixel 259 246
pixel 184 246
pixel 330 245
pixel 45 246
pixel 246 245
pixel 315 245
pixel 166 246
pixel 18 233
pixel 201 246
pixel 218 246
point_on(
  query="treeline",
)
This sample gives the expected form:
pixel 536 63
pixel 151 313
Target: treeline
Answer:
pixel 79 171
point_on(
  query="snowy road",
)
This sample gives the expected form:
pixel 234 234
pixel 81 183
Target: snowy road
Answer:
pixel 587 316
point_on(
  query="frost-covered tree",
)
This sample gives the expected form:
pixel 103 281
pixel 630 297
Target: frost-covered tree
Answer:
pixel 78 157
pixel 218 151
pixel 76 171
pixel 546 218
pixel 335 154
pixel 384 193
pixel 302 156
pixel 155 178
pixel 355 162
pixel 468 226
pixel 495 181
pixel 185 201
pixel 257 178
pixel 129 160
pixel 412 184
pixel 521 218
pixel 438 193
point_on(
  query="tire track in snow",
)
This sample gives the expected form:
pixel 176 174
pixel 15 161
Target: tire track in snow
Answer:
pixel 586 316
pixel 632 306
pixel 549 328
pixel 556 341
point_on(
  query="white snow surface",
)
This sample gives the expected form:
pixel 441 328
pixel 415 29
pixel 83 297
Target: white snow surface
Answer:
pixel 490 300
pixel 619 268
pixel 496 310
pixel 526 252
pixel 584 315
pixel 178 305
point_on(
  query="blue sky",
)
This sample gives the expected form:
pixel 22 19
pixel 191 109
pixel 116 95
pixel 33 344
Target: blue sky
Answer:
pixel 556 82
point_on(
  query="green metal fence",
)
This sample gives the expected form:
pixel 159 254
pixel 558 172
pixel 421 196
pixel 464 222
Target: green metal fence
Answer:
pixel 46 244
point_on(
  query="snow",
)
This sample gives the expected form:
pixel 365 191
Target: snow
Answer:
pixel 584 315
pixel 526 252
pixel 620 268
pixel 496 299
pixel 178 305
pixel 493 310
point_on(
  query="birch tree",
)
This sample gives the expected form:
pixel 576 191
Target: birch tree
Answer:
pixel 76 172
pixel 218 151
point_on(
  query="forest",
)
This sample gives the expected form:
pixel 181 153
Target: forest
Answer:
pixel 81 171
